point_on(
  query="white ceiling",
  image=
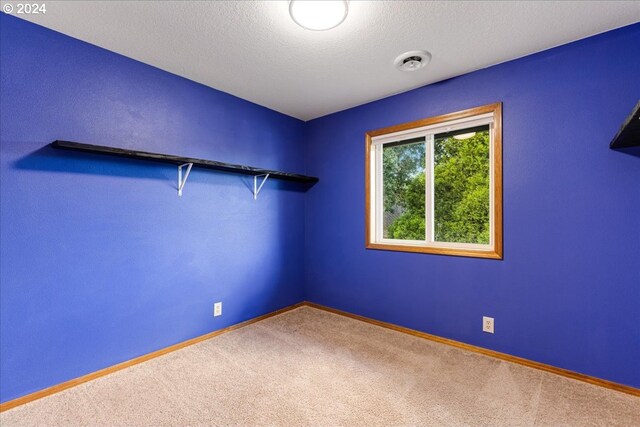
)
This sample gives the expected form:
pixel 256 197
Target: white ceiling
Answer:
pixel 252 49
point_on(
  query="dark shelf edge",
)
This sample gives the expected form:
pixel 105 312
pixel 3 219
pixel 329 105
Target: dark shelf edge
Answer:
pixel 179 160
pixel 629 133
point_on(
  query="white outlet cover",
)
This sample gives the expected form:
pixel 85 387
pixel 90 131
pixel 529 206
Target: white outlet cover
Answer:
pixel 487 324
pixel 217 309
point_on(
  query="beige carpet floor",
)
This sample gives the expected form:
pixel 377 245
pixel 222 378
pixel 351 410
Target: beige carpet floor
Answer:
pixel 308 367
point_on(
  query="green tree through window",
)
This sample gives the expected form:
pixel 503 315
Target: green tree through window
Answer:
pixel 404 196
pixel 461 189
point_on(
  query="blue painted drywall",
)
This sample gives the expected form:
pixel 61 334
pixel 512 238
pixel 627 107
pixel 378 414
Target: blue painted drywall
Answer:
pixel 100 260
pixel 568 290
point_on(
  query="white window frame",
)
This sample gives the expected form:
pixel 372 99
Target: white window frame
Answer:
pixel 427 129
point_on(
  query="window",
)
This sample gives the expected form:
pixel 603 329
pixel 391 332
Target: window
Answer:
pixel 435 185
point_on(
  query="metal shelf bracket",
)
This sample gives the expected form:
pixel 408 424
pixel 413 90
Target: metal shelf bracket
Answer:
pixel 256 187
pixel 181 181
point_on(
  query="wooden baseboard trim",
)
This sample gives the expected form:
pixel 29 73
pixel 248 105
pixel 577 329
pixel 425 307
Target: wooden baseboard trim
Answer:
pixel 106 371
pixel 502 356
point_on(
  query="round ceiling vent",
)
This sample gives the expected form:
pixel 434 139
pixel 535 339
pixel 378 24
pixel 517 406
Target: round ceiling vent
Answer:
pixel 412 60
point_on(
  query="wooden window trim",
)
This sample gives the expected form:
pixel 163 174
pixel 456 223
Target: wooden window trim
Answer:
pixel 497 250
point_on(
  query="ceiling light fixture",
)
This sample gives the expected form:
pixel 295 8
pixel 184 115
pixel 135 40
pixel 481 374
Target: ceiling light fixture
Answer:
pixel 318 15
pixel 412 60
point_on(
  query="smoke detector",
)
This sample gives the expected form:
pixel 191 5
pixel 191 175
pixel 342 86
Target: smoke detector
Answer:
pixel 412 60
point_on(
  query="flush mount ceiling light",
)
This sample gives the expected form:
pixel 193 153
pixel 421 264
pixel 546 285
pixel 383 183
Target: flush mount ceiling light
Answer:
pixel 318 15
pixel 412 60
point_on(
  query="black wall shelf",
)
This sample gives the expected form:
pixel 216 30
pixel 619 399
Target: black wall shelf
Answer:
pixel 186 162
pixel 629 133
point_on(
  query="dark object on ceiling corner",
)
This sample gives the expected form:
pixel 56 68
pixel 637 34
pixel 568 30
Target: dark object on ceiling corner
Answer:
pixel 629 133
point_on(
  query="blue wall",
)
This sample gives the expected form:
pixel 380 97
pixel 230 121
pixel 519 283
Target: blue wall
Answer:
pixel 568 290
pixel 101 261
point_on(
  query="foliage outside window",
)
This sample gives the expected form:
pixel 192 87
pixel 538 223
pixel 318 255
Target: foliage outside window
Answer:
pixel 435 185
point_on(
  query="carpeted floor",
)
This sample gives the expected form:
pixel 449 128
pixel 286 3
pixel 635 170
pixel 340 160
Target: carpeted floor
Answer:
pixel 308 367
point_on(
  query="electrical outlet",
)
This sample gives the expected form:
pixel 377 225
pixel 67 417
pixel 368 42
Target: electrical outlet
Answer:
pixel 217 309
pixel 487 324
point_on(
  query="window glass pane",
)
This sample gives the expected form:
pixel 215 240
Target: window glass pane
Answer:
pixel 461 186
pixel 404 190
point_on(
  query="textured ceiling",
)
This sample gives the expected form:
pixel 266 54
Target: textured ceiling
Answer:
pixel 252 49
